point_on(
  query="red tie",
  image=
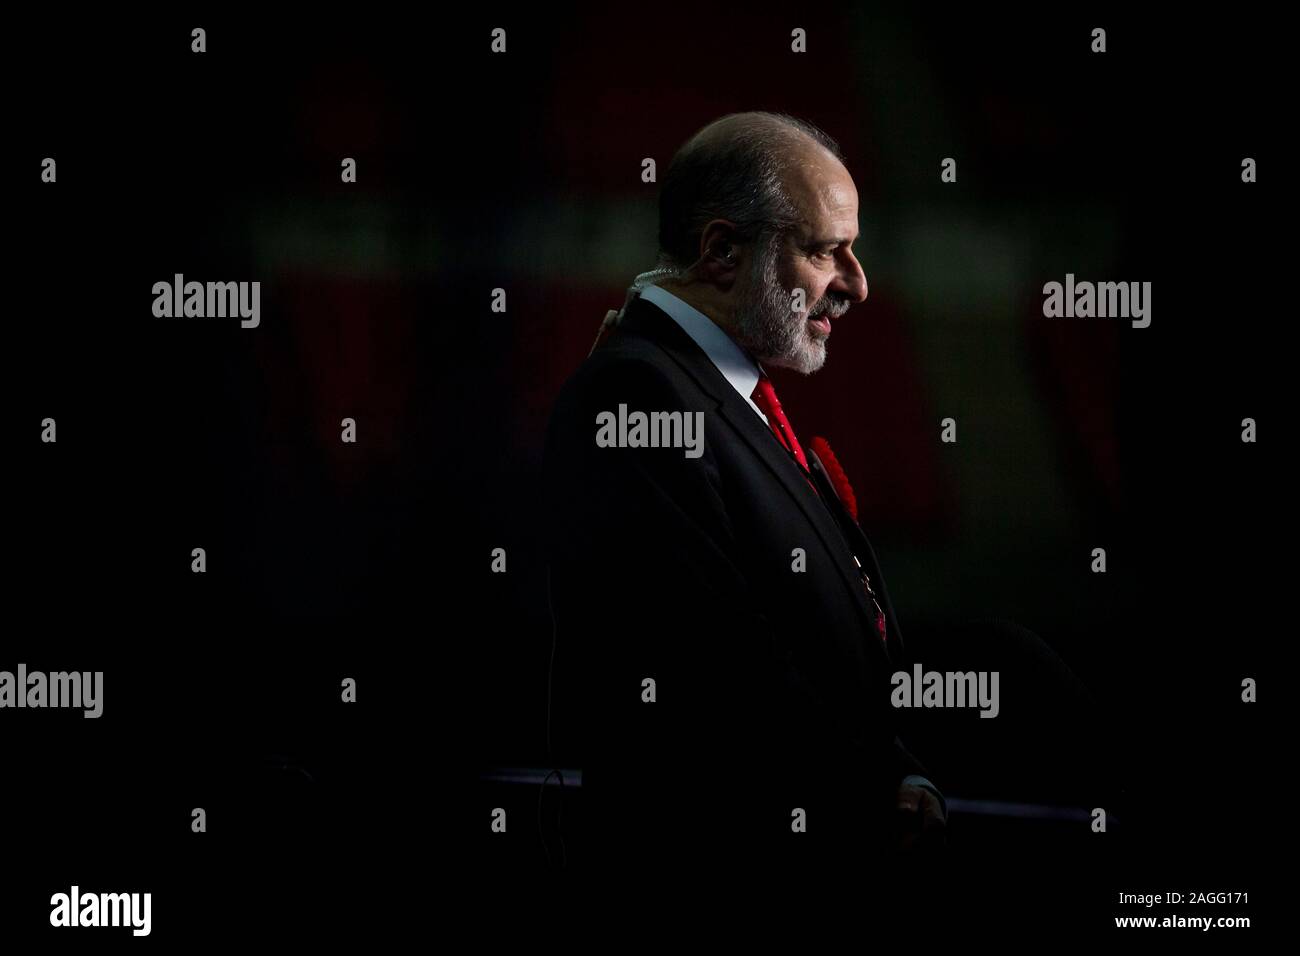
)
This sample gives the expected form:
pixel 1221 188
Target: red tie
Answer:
pixel 765 398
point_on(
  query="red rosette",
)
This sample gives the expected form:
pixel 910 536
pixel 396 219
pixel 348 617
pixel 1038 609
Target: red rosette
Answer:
pixel 822 449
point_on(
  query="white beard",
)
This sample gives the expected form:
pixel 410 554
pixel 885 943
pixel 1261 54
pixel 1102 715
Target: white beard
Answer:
pixel 770 330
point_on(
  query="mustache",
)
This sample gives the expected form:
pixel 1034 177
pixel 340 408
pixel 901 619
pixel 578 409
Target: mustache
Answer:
pixel 833 308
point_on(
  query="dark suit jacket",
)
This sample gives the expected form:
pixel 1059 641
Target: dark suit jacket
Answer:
pixel 772 688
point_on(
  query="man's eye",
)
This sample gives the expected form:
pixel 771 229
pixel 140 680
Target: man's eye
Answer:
pixel 827 253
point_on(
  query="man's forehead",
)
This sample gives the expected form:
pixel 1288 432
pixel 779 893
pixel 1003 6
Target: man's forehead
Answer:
pixel 821 225
pixel 827 198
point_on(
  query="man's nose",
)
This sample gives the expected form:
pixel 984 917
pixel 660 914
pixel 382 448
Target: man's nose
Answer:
pixel 851 280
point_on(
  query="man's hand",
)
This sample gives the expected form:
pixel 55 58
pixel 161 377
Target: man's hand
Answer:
pixel 919 819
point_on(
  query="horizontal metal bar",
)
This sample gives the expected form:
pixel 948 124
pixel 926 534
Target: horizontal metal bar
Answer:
pixel 1020 811
pixel 534 776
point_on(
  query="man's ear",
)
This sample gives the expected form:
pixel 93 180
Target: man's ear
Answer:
pixel 719 253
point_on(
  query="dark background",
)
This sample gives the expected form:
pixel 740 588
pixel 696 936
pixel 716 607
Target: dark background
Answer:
pixel 522 172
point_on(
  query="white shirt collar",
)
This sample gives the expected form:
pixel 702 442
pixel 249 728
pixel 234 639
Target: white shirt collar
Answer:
pixel 736 367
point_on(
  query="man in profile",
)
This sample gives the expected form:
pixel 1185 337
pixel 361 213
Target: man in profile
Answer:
pixel 724 638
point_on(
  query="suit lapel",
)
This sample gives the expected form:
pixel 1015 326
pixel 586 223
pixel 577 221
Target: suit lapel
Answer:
pixel 858 543
pixel 648 320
